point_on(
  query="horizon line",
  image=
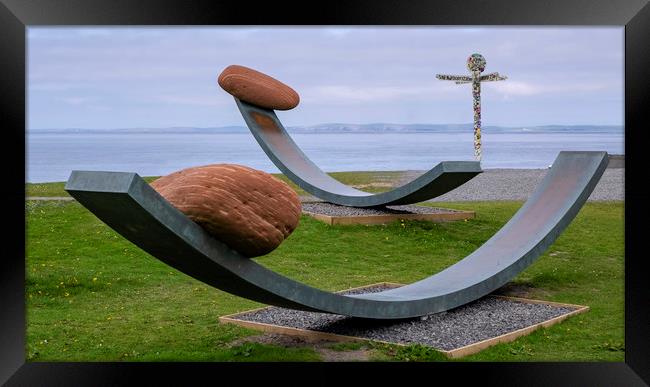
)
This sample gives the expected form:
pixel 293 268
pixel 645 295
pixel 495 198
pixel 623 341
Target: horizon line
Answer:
pixel 326 123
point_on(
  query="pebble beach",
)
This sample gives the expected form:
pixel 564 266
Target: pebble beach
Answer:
pixel 519 184
pixel 516 184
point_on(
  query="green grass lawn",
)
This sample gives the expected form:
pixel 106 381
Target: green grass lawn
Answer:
pixel 93 296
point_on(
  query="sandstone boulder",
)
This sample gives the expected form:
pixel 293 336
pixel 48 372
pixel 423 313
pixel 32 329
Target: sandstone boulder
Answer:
pixel 257 88
pixel 249 210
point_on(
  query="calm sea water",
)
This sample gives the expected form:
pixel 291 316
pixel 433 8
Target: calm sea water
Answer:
pixel 51 157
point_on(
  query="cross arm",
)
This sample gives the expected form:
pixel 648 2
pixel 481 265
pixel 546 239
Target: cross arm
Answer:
pixel 492 77
pixel 461 78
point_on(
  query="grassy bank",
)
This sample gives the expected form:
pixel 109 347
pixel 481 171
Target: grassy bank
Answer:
pixel 93 296
pixel 374 181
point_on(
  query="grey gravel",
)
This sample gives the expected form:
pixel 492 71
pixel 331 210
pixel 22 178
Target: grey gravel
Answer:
pixel 519 184
pixel 482 319
pixel 336 210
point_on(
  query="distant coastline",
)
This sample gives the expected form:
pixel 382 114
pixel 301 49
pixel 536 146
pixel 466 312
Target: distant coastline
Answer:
pixel 352 128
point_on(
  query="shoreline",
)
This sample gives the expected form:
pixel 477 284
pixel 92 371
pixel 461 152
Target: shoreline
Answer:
pixel 496 184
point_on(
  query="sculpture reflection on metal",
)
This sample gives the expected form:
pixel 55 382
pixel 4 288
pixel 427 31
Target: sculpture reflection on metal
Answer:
pixel 131 207
pixel 287 156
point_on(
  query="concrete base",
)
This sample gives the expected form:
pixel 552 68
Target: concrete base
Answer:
pixel 616 161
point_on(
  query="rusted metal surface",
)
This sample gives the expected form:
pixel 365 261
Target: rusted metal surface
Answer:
pixel 131 207
pixel 287 156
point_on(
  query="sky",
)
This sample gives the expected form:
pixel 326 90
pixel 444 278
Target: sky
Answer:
pixel 116 77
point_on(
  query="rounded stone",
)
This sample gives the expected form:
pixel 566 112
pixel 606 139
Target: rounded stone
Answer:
pixel 249 210
pixel 476 62
pixel 257 88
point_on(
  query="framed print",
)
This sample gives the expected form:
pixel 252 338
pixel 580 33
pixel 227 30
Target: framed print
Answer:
pixel 83 73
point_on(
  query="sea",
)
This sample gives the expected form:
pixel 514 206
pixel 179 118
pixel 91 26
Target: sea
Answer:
pixel 51 156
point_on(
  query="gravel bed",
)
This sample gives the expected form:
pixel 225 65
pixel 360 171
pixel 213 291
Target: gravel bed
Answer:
pixel 482 319
pixel 336 210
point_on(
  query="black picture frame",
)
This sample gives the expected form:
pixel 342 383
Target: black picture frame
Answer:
pixel 17 15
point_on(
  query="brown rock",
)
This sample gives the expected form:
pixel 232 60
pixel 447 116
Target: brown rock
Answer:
pixel 257 88
pixel 249 210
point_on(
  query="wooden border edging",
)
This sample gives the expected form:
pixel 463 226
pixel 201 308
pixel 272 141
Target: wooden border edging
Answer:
pixel 469 349
pixel 512 336
pixel 447 216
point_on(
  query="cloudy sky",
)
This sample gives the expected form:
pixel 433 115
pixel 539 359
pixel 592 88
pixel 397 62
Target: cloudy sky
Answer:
pixel 163 77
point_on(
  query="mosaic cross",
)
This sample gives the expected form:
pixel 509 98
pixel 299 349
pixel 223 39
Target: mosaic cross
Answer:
pixel 476 64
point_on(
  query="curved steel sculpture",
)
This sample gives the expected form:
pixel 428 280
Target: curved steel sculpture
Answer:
pixel 131 207
pixel 287 156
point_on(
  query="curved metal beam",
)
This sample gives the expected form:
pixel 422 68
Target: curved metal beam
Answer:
pixel 287 156
pixel 131 207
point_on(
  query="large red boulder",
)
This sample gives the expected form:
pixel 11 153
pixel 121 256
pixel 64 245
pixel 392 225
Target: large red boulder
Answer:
pixel 249 210
pixel 257 88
